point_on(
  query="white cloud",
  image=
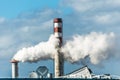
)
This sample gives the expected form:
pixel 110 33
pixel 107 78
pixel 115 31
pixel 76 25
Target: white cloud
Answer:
pixel 109 19
pixel 2 19
pixel 6 41
pixel 91 5
pixel 104 19
pixel 47 24
pixel 93 15
pixel 25 29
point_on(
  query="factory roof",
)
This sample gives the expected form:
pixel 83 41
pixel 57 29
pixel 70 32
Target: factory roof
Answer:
pixel 80 69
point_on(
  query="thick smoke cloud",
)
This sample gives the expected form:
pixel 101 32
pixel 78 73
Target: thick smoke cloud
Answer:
pixel 96 46
pixel 42 51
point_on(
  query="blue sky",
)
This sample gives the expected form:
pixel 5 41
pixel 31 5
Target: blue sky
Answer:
pixel 25 23
pixel 11 9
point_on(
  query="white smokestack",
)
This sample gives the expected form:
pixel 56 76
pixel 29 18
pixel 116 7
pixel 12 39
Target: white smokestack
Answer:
pixel 14 69
pixel 97 46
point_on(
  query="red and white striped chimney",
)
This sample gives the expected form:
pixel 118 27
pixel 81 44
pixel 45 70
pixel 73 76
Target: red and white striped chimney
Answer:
pixel 59 62
pixel 58 29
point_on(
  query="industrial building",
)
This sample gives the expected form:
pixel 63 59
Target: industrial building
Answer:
pixel 83 72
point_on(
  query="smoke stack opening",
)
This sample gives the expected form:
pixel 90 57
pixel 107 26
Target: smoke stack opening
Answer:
pixel 56 20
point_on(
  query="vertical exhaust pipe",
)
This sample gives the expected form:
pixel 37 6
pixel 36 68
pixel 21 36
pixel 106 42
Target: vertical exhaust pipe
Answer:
pixel 14 68
pixel 58 59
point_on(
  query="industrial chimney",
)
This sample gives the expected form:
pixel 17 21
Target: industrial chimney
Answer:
pixel 14 68
pixel 59 61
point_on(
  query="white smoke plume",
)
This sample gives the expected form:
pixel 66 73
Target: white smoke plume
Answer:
pixel 42 51
pixel 96 46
